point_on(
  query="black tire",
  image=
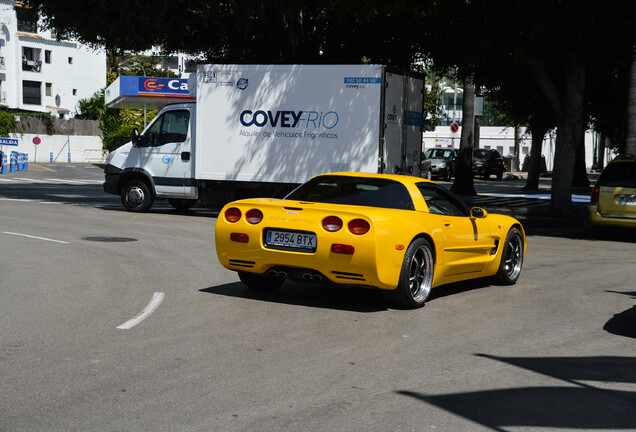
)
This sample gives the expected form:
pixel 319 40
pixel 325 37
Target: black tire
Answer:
pixel 260 282
pixel 182 204
pixel 511 259
pixel 500 174
pixel 136 196
pixel 486 175
pixel 416 275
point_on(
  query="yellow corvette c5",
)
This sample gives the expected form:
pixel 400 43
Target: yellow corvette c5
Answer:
pixel 391 232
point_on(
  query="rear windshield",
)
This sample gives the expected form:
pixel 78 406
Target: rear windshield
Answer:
pixel 373 192
pixel 619 174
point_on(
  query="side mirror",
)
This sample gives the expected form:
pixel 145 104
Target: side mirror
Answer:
pixel 135 138
pixel 478 213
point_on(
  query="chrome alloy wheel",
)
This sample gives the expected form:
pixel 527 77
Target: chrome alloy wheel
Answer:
pixel 513 256
pixel 421 273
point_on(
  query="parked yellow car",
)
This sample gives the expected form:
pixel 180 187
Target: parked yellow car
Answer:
pixel 392 232
pixel 613 200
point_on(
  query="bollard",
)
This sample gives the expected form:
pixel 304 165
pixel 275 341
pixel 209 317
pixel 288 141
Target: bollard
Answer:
pixel 51 158
pixel 69 157
pixel 26 161
pixel 12 163
pixel 19 163
pixel 3 170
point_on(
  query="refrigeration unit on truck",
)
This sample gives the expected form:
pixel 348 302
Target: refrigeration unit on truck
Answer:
pixel 260 130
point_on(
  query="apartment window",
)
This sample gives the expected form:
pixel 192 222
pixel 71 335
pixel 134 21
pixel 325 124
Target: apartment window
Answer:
pixel 31 59
pixel 47 56
pixel 70 60
pixel 74 92
pixel 31 93
pixel 27 20
pixel 48 89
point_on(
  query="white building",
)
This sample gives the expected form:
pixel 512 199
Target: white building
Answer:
pixel 182 65
pixel 39 73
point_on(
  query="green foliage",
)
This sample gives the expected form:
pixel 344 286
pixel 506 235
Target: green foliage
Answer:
pixel 118 137
pixel 116 124
pixel 7 123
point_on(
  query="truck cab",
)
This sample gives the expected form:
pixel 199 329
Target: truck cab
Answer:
pixel 157 163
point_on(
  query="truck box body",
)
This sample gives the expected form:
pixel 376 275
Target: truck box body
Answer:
pixel 262 129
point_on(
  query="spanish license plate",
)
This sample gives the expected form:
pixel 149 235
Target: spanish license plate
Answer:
pixel 295 240
pixel 629 200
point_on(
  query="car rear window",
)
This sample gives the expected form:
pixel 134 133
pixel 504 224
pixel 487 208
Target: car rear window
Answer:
pixel 372 192
pixel 619 174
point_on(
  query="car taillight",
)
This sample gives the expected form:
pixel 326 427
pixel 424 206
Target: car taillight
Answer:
pixel 595 194
pixel 232 215
pixel 254 216
pixel 239 237
pixel 342 249
pixel 359 226
pixel 332 223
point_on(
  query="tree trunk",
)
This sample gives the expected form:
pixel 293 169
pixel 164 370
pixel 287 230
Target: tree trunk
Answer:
pixel 516 158
pixel 630 127
pixel 567 103
pixel 580 178
pixel 463 184
pixel 534 170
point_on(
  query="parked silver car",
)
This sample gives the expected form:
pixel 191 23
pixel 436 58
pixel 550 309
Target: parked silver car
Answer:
pixel 442 162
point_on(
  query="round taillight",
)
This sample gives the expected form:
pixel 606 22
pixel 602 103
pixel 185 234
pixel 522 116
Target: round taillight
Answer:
pixel 332 223
pixel 232 215
pixel 359 226
pixel 254 216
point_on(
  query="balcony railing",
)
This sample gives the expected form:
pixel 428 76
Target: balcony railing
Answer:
pixel 31 65
pixel 1 63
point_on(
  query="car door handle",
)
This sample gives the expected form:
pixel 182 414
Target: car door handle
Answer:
pixel 185 156
pixel 448 224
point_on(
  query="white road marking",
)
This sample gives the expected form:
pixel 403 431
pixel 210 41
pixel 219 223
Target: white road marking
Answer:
pixel 575 198
pixel 35 237
pixel 155 301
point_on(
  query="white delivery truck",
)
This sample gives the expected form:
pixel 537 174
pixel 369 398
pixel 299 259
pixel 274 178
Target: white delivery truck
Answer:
pixel 260 130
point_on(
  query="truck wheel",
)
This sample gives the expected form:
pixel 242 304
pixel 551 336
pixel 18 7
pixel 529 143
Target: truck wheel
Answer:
pixel 182 204
pixel 260 282
pixel 136 196
pixel 416 276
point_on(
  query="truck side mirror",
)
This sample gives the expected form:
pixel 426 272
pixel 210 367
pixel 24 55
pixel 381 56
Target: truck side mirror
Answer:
pixel 135 138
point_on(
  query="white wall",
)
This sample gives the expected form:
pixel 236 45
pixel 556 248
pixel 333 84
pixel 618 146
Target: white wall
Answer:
pixel 502 139
pixel 84 149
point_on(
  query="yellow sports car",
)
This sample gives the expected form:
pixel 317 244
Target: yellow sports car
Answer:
pixel 392 232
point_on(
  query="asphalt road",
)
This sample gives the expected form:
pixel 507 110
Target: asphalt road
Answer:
pixel 114 321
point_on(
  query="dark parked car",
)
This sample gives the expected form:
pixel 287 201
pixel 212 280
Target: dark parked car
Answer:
pixel 487 162
pixel 442 162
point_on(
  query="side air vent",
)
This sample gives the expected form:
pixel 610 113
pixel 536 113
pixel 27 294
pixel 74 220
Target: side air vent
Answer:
pixel 348 276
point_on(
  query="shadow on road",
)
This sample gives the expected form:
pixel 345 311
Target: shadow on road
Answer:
pixel 584 401
pixel 624 323
pixel 347 298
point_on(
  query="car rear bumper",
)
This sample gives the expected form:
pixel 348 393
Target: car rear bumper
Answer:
pixel 598 219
